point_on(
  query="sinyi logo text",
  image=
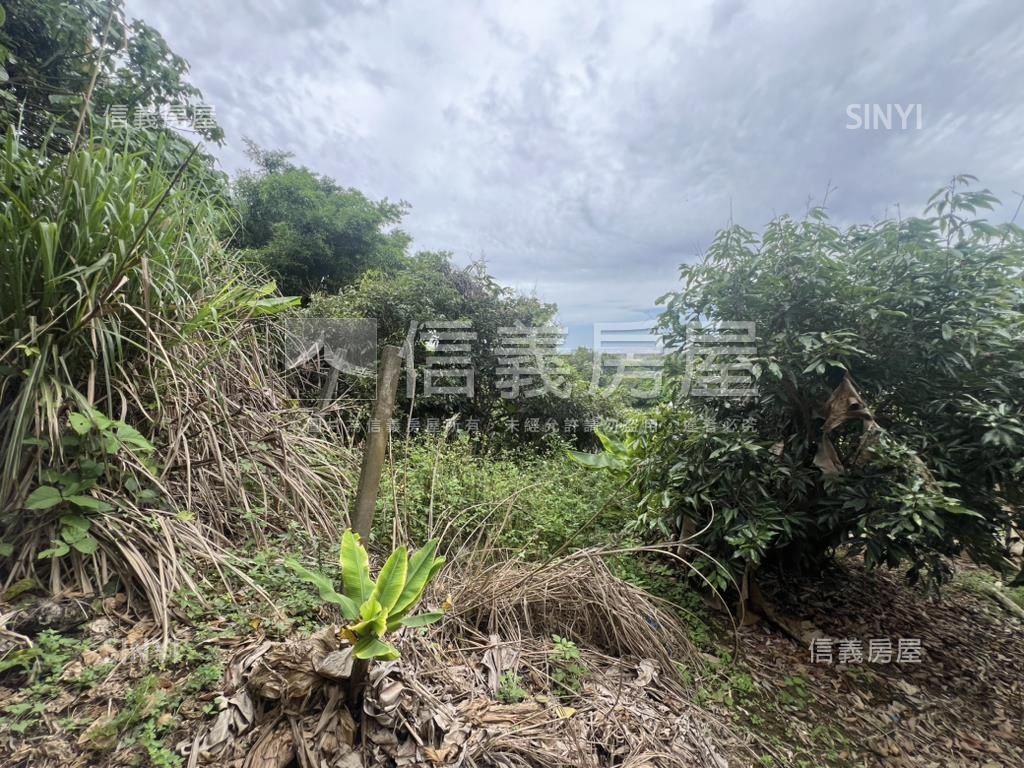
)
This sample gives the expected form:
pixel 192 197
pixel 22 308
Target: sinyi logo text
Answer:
pixel 876 117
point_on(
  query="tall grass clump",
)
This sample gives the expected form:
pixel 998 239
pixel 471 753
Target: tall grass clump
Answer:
pixel 141 417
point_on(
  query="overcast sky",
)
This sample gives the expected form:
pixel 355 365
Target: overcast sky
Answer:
pixel 586 148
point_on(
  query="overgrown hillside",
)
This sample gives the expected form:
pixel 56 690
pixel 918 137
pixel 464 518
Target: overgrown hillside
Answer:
pixel 823 569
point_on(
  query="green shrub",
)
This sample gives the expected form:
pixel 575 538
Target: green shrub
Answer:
pixel 567 670
pixel 924 317
pixel 510 688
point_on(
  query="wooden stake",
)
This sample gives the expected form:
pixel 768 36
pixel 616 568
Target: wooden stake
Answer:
pixel 377 441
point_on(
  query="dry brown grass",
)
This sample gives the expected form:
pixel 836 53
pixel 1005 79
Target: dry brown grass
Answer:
pixel 236 463
pixel 576 597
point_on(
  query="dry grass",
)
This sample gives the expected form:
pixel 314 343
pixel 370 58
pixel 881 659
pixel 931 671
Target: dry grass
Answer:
pixel 236 463
pixel 239 454
pixel 576 597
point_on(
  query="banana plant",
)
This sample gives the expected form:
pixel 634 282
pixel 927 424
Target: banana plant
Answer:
pixel 377 608
pixel 615 456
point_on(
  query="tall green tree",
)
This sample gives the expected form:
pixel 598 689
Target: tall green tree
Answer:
pixel 312 233
pixel 427 288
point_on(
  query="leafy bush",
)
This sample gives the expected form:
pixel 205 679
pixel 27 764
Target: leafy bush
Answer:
pixel 510 688
pixel 914 327
pixel 567 670
pixel 311 233
pixel 93 442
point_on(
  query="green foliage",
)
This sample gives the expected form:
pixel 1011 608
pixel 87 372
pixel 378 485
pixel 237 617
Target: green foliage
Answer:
pixel 49 655
pixel 926 315
pixel 89 447
pixel 205 677
pixel 701 468
pixel 522 501
pixel 49 50
pixel 567 670
pixel 510 688
pixel 794 693
pixel 614 456
pixel 726 684
pixel 377 608
pixel 311 233
pixel 138 722
pixel 91 259
pixel 237 610
pixel 605 370
pixel 427 288
pixel 107 266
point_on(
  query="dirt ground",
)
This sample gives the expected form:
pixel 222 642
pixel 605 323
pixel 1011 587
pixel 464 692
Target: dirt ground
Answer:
pixel 957 702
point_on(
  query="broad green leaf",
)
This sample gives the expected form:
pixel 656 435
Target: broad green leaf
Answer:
pixel 374 619
pixel 100 419
pixel 325 588
pixel 131 436
pixel 355 569
pixel 86 545
pixel 417 579
pixel 373 648
pixel 274 305
pixel 6 549
pixel 435 568
pixel 59 549
pixel 423 619
pixel 80 522
pixel 71 535
pixel 603 460
pixel 43 497
pixel 80 423
pixel 370 609
pixel 88 502
pixel 391 579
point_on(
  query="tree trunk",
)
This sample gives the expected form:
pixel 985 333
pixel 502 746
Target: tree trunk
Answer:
pixel 357 686
pixel 376 441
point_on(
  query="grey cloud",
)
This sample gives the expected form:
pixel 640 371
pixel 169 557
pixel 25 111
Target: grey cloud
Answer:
pixel 588 148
